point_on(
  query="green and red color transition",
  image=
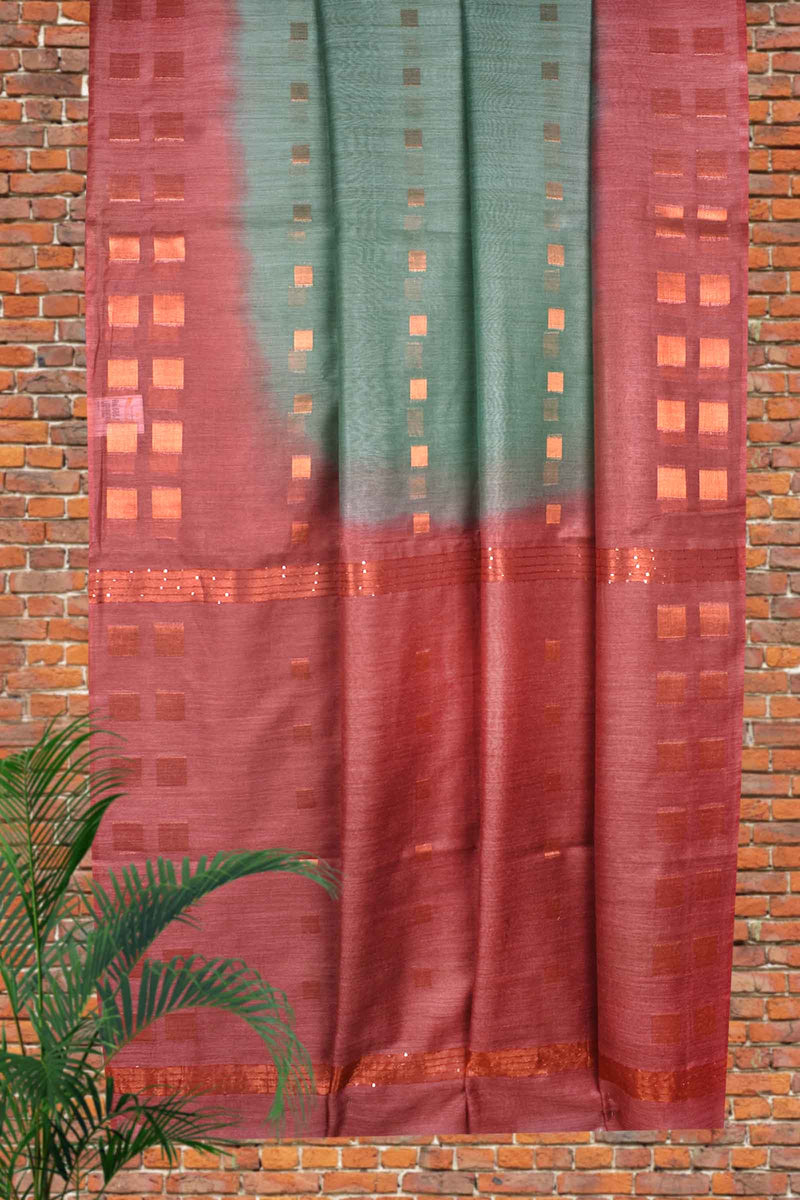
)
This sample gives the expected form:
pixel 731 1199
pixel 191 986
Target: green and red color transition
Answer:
pixel 417 348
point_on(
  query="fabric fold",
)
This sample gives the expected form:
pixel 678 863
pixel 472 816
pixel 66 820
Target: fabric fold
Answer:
pixel 669 269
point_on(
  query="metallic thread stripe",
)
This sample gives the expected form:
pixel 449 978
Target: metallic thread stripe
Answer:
pixel 662 1087
pixel 665 1087
pixel 463 564
pixel 427 1066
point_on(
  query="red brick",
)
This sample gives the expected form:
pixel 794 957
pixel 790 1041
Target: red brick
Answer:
pixel 43 482
pixel 45 654
pixel 34 679
pixel 18 35
pixel 39 10
pixel 590 1183
pixel 777 410
pixel 517 1157
pixel 769 85
pixel 328 1156
pixel 74 60
pixel 274 1157
pixel 42 84
pixel 66 35
pixel 401 1157
pixel 281 1183
pixel 43 581
pixel 47 60
pixel 453 1183
pixel 195 1183
pixel 777 39
pixel 47 160
pixel 786 111
pixel 76 10
pixel 435 1158
pixel 45 506
pixel 129 1183
pixel 50 457
pixel 768 281
pixel 24 532
pixel 365 1182
pixel 45 181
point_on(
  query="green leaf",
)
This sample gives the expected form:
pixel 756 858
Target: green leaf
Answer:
pixel 133 911
pixel 52 798
pixel 136 1125
pixel 57 1110
pixel 223 983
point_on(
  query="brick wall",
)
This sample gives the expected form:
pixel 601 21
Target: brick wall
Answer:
pixel 43 642
pixel 43 508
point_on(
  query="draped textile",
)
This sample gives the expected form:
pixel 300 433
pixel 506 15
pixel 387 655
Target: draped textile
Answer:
pixel 416 338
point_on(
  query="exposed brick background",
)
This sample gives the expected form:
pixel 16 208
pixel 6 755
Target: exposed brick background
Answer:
pixel 43 508
pixel 43 58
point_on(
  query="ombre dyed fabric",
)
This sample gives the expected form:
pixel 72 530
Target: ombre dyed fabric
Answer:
pixel 417 348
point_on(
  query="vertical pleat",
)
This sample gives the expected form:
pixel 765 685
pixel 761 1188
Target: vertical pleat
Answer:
pixel 669 217
pixel 527 100
pixel 408 799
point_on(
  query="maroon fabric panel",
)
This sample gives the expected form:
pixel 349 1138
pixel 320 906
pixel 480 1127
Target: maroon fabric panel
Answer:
pixel 670 233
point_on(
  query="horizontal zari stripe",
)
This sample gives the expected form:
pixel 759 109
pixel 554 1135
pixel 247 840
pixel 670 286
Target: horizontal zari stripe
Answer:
pixel 463 564
pixel 422 1067
pixel 664 1087
pixel 382 1069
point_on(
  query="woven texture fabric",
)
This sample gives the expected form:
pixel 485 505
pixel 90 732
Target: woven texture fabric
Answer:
pixel 416 339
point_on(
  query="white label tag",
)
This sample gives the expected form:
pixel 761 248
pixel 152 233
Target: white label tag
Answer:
pixel 120 408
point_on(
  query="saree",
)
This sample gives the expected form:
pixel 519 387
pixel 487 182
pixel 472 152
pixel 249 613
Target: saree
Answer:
pixel 417 349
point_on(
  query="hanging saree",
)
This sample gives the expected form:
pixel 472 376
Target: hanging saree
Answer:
pixel 417 348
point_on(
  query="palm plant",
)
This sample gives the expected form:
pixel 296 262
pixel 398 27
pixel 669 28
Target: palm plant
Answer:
pixel 60 1115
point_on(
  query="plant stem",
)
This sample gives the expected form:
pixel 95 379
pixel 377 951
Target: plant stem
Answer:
pixel 41 1141
pixel 19 1031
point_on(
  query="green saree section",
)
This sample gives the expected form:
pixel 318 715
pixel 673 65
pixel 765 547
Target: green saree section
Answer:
pixel 440 198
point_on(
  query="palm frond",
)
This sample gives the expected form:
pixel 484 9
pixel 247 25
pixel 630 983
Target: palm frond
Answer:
pixel 110 1129
pixel 135 1125
pixel 75 1113
pixel 14 1111
pixel 222 983
pixel 52 798
pixel 15 1134
pixel 18 1121
pixel 23 1076
pixel 57 1113
pixel 135 908
pixel 60 1079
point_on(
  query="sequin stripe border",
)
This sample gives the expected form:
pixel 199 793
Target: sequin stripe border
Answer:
pixel 662 1087
pixel 423 1067
pixel 517 564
